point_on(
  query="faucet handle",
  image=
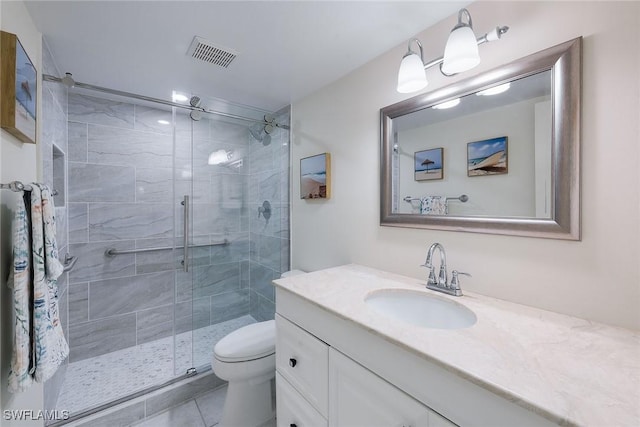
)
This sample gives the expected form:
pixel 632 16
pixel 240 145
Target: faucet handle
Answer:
pixel 455 282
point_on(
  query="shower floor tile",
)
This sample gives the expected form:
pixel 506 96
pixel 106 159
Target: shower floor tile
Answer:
pixel 102 379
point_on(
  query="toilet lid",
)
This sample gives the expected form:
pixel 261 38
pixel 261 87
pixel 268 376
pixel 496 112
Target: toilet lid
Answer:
pixel 247 343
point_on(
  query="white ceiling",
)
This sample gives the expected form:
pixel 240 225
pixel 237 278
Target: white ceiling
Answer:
pixel 286 50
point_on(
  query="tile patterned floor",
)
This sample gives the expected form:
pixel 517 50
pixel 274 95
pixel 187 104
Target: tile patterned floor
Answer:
pixel 204 411
pixel 102 379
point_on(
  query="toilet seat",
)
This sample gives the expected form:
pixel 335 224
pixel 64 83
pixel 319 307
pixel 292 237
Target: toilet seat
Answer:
pixel 250 342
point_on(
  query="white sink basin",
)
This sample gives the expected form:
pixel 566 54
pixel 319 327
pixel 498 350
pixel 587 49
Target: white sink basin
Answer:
pixel 421 309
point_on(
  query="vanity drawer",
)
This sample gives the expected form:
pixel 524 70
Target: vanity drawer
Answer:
pixel 293 409
pixel 303 360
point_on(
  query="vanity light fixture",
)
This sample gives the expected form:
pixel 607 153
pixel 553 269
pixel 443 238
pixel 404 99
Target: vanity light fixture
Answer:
pixel 447 104
pixel 495 90
pixel 412 76
pixel 460 54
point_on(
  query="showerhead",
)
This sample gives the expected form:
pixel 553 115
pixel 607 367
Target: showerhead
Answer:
pixel 260 134
pixel 256 133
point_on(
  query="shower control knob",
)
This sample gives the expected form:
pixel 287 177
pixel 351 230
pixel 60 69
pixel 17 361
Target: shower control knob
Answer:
pixel 293 362
pixel 265 210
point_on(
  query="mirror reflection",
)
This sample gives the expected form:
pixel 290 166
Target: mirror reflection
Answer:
pixel 486 154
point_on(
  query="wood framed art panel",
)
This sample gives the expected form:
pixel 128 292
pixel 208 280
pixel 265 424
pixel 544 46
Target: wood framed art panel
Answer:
pixel 315 177
pixel 18 89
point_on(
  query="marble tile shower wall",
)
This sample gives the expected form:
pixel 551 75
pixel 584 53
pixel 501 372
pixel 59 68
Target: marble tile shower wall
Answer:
pixel 121 195
pixel 269 180
pixel 54 140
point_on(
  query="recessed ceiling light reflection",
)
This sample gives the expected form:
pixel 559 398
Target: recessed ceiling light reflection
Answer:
pixel 164 122
pixel 447 104
pixel 495 90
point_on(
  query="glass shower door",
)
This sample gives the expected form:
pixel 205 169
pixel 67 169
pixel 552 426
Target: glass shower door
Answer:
pixel 212 298
pixel 236 180
pixel 122 290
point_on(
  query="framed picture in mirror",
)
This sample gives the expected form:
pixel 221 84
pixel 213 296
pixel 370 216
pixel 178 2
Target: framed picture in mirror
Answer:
pixel 488 157
pixel 428 165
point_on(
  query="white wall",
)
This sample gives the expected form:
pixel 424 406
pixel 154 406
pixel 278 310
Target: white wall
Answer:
pixel 597 278
pixel 18 161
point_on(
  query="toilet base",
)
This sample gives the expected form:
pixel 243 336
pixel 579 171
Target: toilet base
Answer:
pixel 247 404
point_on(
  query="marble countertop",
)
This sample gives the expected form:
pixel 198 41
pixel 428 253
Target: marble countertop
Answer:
pixel 569 370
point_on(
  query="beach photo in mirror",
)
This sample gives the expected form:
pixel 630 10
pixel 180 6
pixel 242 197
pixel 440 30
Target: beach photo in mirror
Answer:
pixel 428 164
pixel 487 157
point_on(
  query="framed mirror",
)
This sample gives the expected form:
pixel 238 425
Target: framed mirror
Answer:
pixel 497 153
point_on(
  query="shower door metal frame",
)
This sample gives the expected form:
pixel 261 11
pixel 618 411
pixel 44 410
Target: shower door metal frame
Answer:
pixel 50 78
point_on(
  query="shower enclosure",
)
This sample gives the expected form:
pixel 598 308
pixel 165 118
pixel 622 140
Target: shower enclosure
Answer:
pixel 175 246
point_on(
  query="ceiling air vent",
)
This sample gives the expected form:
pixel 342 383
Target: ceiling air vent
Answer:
pixel 205 51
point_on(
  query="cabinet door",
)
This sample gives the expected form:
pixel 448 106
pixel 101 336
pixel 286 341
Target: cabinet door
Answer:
pixel 293 409
pixel 358 397
pixel 303 360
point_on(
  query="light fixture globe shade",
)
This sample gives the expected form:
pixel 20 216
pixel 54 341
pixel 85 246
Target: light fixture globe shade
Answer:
pixel 411 76
pixel 461 51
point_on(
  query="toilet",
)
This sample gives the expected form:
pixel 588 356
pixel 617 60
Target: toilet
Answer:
pixel 246 359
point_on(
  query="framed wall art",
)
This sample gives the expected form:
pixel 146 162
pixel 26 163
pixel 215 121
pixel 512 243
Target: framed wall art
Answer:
pixel 428 164
pixel 18 90
pixel 315 177
pixel 488 157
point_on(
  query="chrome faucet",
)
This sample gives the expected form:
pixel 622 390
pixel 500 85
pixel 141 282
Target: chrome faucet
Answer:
pixel 441 284
pixel 442 276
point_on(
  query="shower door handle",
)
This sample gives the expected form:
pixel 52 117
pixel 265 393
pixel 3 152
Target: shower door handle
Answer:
pixel 185 257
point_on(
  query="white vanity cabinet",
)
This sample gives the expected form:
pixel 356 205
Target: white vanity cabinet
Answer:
pixel 358 397
pixel 302 377
pixel 332 371
pixel 317 385
pixel 293 409
pixel 303 361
